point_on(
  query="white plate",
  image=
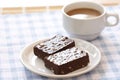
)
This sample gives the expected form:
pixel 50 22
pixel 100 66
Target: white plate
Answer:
pixel 36 65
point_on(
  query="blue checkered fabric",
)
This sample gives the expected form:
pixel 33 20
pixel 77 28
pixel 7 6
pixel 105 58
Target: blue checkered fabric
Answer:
pixel 16 31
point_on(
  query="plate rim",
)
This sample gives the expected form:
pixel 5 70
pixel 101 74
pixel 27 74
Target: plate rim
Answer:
pixel 54 75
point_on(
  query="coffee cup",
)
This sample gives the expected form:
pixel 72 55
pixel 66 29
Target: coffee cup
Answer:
pixel 86 20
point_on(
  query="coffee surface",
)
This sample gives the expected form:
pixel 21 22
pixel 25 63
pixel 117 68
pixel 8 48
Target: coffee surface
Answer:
pixel 83 13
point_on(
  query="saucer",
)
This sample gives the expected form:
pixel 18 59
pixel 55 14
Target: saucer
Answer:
pixel 36 65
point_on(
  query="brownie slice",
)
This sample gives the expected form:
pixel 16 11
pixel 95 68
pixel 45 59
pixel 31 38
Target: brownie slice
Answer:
pixel 67 61
pixel 53 45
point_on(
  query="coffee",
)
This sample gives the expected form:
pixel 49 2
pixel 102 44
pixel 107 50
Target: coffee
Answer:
pixel 83 13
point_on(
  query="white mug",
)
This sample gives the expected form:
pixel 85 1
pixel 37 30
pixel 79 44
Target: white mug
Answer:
pixel 87 29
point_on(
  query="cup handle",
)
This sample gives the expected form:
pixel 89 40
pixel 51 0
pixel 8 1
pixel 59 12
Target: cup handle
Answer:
pixel 115 16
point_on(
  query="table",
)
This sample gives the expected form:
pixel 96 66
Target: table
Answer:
pixel 16 31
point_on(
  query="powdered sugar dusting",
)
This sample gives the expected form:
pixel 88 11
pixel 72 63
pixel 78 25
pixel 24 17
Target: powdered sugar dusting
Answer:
pixel 52 45
pixel 66 56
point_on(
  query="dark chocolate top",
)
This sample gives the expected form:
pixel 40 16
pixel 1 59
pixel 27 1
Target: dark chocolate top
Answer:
pixel 66 56
pixel 54 44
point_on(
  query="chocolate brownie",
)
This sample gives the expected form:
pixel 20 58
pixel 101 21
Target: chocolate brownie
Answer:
pixel 67 61
pixel 53 45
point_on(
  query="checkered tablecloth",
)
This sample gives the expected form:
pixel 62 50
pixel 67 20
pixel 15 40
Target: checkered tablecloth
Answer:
pixel 16 31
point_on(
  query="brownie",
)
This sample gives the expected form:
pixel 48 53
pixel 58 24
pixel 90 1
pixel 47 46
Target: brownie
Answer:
pixel 67 61
pixel 52 45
